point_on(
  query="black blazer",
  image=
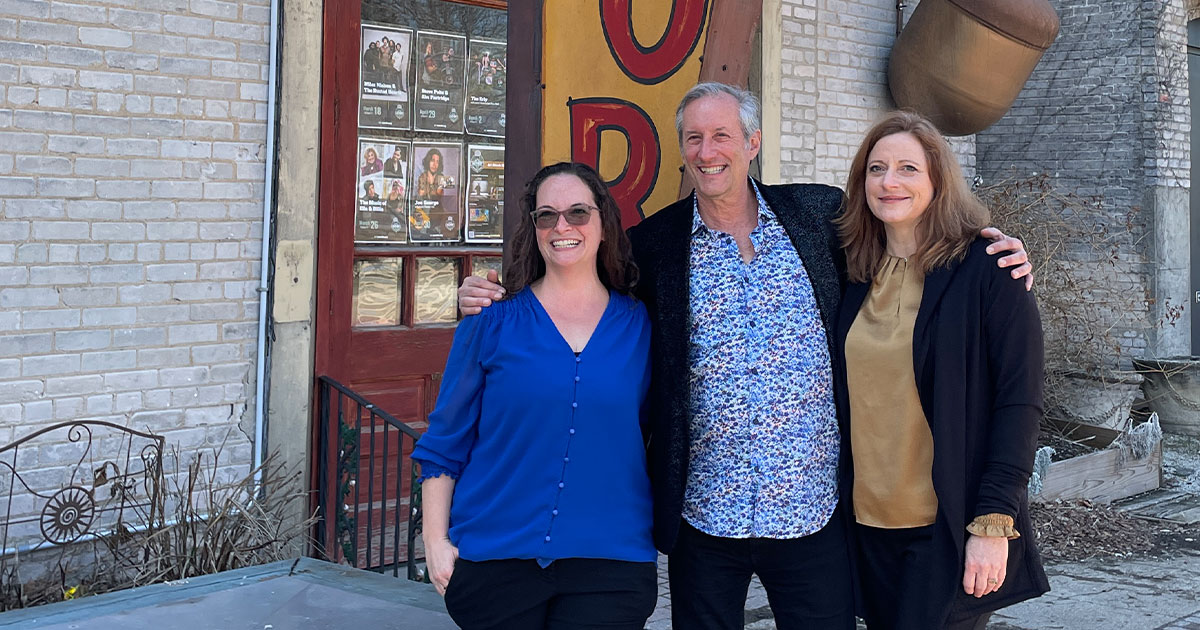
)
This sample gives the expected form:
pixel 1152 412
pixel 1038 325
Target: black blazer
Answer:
pixel 662 247
pixel 977 357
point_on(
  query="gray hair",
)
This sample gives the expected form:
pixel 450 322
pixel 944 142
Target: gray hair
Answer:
pixel 748 107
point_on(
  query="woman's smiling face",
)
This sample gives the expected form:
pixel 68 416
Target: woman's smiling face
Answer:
pixel 898 186
pixel 564 244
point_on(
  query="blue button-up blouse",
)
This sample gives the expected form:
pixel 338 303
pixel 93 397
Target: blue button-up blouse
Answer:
pixel 546 445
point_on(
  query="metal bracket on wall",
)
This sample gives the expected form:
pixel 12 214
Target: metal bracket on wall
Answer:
pixel 901 5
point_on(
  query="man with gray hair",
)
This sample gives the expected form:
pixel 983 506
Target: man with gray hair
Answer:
pixel 745 448
pixel 742 282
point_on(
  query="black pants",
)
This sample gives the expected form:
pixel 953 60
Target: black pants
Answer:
pixel 807 579
pixel 571 594
pixel 895 571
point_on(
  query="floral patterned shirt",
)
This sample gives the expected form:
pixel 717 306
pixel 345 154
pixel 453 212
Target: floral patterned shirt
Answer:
pixel 764 435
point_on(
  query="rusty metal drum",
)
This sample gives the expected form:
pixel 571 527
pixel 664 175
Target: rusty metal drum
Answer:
pixel 962 63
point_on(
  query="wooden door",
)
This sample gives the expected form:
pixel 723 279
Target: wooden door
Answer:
pixel 412 200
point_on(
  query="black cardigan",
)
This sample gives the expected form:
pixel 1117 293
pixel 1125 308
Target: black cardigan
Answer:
pixel 661 247
pixel 977 357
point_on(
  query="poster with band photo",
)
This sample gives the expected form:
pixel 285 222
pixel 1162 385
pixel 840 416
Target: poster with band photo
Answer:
pixel 485 193
pixel 384 92
pixel 486 80
pixel 440 74
pixel 436 213
pixel 383 191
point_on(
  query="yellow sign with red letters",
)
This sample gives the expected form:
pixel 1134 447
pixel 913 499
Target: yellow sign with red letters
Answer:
pixel 615 71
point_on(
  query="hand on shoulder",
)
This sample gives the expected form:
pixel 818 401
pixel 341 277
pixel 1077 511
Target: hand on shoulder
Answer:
pixel 1015 256
pixel 476 294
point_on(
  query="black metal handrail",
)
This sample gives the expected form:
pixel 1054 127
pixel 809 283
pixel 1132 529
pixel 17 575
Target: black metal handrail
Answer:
pixel 340 533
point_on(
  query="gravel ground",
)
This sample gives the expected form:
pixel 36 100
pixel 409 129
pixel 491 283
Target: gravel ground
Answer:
pixel 1080 530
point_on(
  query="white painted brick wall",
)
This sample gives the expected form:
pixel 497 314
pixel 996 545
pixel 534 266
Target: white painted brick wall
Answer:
pixel 835 85
pixel 131 166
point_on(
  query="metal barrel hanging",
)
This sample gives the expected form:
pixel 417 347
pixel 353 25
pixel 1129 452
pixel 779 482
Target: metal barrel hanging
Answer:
pixel 962 63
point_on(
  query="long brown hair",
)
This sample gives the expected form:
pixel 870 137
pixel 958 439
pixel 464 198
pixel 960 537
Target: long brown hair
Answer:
pixel 614 259
pixel 952 220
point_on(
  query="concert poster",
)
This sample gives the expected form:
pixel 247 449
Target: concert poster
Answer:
pixel 487 73
pixel 436 214
pixel 384 77
pixel 383 191
pixel 485 193
pixel 440 75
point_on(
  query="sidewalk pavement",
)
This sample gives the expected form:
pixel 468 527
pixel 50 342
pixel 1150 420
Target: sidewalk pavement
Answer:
pixel 1100 594
pixel 1103 594
pixel 287 595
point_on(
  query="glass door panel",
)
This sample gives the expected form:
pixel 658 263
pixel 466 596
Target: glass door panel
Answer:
pixel 378 291
pixel 436 290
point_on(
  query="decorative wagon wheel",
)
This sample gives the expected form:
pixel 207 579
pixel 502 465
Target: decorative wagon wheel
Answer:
pixel 67 515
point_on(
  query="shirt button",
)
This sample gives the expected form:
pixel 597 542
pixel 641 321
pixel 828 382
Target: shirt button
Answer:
pixel 574 405
pixel 578 359
pixel 554 512
pixel 571 431
pixel 547 539
pixel 576 379
pixel 562 485
pixel 566 459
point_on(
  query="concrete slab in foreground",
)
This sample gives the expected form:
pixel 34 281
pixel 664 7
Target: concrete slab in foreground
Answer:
pixel 1110 594
pixel 286 595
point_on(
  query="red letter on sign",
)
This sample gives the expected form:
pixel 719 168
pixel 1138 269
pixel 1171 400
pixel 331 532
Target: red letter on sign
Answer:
pixel 652 65
pixel 590 117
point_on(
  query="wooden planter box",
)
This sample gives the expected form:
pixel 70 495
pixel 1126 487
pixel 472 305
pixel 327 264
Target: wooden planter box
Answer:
pixel 1098 476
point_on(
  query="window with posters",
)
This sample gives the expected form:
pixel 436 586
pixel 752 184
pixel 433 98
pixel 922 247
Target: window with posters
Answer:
pixel 429 175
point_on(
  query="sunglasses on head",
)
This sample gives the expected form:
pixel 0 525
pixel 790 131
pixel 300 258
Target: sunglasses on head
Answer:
pixel 545 217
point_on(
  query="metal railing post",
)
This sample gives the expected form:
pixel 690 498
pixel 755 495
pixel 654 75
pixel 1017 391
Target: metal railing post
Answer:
pixel 338 495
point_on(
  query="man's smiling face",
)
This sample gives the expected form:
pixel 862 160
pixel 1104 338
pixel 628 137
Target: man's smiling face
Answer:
pixel 716 152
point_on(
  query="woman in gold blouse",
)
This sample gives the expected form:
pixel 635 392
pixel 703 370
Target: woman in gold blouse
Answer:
pixel 943 358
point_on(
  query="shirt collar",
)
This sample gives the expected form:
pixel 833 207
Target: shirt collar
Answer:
pixel 765 215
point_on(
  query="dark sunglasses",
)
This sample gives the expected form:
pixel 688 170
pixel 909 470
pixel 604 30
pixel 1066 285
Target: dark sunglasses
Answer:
pixel 545 218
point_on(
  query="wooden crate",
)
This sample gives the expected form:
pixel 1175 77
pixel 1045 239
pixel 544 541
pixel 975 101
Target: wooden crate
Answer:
pixel 1098 476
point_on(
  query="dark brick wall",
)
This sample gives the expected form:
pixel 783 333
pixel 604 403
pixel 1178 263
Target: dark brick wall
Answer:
pixel 1106 114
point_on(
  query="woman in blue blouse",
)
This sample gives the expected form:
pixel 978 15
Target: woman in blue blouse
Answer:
pixel 537 510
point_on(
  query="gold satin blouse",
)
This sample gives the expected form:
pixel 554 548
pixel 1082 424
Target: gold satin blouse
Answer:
pixel 889 436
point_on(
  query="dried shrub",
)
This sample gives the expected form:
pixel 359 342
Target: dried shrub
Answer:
pixel 1084 255
pixel 205 518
